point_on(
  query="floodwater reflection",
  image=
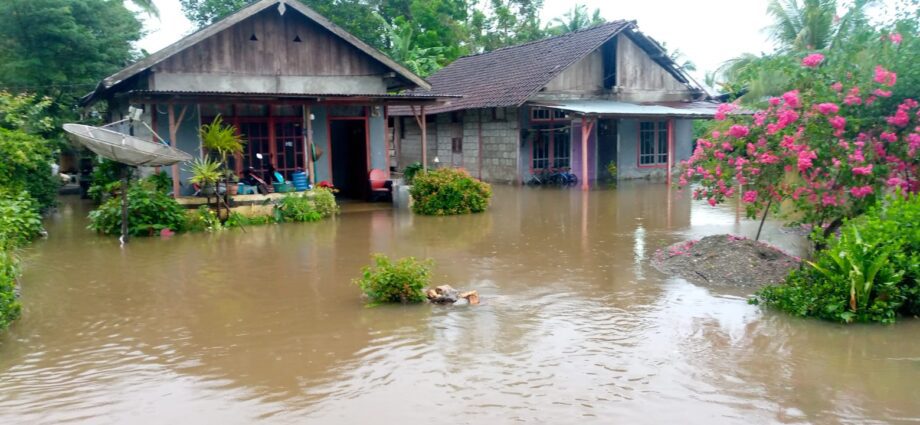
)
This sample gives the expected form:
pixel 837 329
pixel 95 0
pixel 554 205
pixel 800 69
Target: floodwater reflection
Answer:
pixel 265 324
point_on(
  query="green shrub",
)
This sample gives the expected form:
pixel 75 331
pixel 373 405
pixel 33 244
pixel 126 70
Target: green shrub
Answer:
pixel 449 191
pixel 410 172
pixel 612 170
pixel 10 309
pixel 241 220
pixel 403 281
pixel 306 207
pixel 26 165
pixel 203 219
pixel 161 181
pixel 106 180
pixel 870 273
pixel 20 221
pixel 149 212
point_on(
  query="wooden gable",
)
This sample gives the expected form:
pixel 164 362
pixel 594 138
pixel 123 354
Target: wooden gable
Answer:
pixel 271 44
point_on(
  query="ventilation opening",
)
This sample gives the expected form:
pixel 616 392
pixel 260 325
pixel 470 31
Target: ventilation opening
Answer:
pixel 297 39
pixel 253 38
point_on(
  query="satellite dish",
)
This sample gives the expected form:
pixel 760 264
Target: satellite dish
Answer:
pixel 120 147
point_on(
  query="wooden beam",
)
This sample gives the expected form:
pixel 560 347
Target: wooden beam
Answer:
pixel 587 125
pixel 670 148
pixel 174 125
pixel 308 143
pixel 423 126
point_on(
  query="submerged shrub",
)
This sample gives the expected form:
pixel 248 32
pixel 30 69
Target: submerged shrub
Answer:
pixel 870 273
pixel 149 212
pixel 26 165
pixel 236 219
pixel 410 172
pixel 449 191
pixel 402 281
pixel 306 208
pixel 203 219
pixel 10 309
pixel 20 221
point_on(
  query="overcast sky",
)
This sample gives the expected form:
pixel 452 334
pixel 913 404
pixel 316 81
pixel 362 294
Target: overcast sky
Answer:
pixel 708 32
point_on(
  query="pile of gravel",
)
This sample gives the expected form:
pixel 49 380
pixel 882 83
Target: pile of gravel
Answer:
pixel 726 260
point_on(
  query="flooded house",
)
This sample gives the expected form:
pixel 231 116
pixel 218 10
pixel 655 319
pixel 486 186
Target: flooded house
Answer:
pixel 305 94
pixel 573 103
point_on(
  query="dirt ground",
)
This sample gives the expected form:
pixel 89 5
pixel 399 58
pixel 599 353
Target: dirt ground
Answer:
pixel 725 260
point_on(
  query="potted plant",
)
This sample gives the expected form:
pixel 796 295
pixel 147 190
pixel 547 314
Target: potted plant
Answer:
pixel 225 141
pixel 205 173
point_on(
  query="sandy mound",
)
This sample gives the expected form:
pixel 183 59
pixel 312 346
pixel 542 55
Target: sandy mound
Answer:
pixel 725 260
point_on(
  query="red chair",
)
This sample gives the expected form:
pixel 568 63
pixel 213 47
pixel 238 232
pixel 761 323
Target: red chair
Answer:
pixel 381 186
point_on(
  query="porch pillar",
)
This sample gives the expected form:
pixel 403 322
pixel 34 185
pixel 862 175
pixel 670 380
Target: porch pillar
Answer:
pixel 670 148
pixel 308 143
pixel 587 125
pixel 174 124
pixel 423 126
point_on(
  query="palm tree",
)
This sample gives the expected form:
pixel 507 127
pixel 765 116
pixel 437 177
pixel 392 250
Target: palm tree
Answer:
pixel 576 19
pixel 147 6
pixel 403 48
pixel 813 24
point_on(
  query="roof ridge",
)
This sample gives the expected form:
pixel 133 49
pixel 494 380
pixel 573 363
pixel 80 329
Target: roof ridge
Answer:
pixel 555 37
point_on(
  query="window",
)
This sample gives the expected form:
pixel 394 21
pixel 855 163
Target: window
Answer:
pixel 552 148
pixel 653 143
pixel 545 114
pixel 456 145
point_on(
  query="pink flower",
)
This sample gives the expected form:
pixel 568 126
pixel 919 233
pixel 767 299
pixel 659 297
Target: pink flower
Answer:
pixel 712 201
pixel 723 109
pixel 792 98
pixel 895 38
pixel 860 192
pixel 805 158
pixel 837 86
pixel 894 182
pixel 726 146
pixel 862 171
pixel 884 76
pixel 812 60
pixel 738 131
pixel 786 117
pixel 828 108
pixel 716 134
pixel 882 93
pixel 837 122
pixel 899 119
pixel 828 199
pixel 749 197
pixel 774 101
pixel 767 158
pixel 888 137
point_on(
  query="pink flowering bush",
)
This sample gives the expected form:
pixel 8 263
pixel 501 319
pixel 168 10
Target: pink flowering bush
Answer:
pixel 825 150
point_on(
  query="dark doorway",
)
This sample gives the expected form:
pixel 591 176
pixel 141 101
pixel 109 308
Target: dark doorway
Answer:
pixel 606 147
pixel 349 157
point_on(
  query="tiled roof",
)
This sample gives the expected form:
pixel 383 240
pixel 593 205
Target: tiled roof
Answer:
pixel 510 75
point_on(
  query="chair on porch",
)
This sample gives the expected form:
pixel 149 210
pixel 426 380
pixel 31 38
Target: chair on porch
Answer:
pixel 381 187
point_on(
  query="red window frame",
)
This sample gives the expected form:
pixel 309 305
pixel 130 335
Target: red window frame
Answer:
pixel 551 148
pixel 653 143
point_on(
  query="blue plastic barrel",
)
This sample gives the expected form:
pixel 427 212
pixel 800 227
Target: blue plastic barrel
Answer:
pixel 300 181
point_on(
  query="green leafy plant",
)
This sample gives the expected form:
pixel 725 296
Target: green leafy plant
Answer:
pixel 612 170
pixel 449 191
pixel 161 181
pixel 312 206
pixel 149 212
pixel 869 273
pixel 202 219
pixel 205 172
pixel 10 308
pixel 401 281
pixel 20 221
pixel 106 180
pixel 410 172
pixel 26 165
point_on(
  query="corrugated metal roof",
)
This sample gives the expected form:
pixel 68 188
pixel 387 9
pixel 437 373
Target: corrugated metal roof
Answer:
pixel 700 109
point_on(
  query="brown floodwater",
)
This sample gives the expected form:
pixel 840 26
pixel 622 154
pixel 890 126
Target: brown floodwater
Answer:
pixel 575 326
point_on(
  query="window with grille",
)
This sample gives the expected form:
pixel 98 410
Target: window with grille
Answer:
pixel 540 152
pixel 552 148
pixel 653 143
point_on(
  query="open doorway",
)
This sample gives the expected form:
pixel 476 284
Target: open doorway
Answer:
pixel 349 157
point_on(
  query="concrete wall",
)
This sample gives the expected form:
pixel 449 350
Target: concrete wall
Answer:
pixel 377 128
pixel 499 141
pixel 187 139
pixel 628 157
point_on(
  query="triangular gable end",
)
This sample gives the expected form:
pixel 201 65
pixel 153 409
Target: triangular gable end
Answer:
pixel 214 48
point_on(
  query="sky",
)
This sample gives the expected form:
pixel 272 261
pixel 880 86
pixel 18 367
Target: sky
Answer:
pixel 708 32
